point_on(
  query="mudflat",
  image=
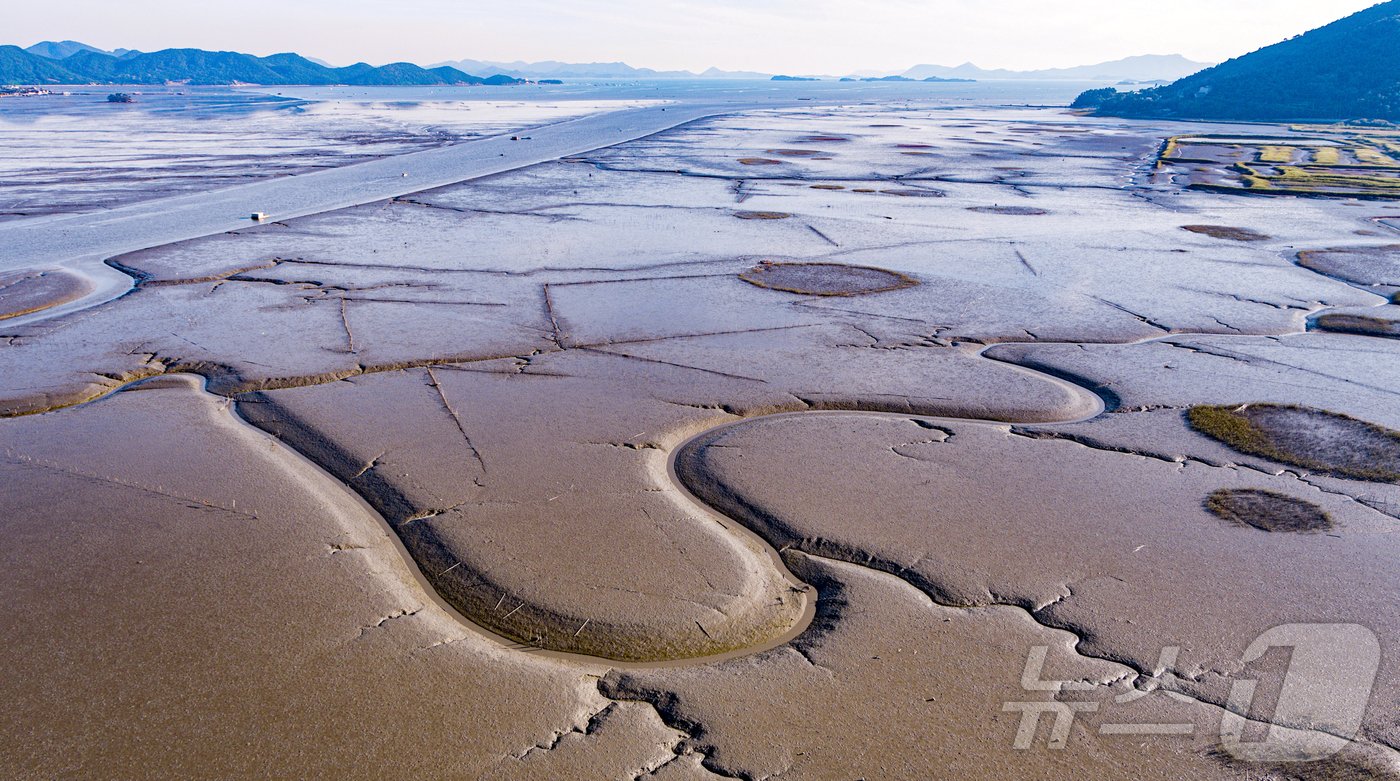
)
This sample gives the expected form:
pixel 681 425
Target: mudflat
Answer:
pixel 996 459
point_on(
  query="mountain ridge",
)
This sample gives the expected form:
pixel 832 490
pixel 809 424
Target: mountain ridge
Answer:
pixel 1142 67
pixel 54 62
pixel 77 63
pixel 1149 67
pixel 554 69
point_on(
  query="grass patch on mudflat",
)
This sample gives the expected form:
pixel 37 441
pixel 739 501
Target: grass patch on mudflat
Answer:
pixel 1355 762
pixel 1338 162
pixel 1327 155
pixel 1317 440
pixel 1268 511
pixel 1331 178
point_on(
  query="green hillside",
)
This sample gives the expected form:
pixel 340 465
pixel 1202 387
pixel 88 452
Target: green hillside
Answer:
pixel 196 66
pixel 1349 69
pixel 18 66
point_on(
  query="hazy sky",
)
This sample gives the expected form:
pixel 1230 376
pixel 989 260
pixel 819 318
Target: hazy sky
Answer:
pixel 806 36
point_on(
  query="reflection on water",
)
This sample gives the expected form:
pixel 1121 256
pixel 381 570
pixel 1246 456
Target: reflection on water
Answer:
pixel 75 151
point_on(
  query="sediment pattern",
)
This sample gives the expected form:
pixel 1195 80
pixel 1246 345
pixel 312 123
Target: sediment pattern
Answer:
pixel 927 429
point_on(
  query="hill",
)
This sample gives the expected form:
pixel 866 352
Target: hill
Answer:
pixel 18 66
pixel 1147 67
pixel 59 50
pixel 1346 70
pixel 75 63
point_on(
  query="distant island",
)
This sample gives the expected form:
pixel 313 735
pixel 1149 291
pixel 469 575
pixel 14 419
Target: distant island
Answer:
pixel 1139 69
pixel 73 62
pixel 1349 69
pixel 70 62
pixel 929 80
pixel 553 69
pixel 1142 69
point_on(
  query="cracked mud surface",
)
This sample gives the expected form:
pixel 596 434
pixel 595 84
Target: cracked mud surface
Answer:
pixel 601 508
pixel 1377 268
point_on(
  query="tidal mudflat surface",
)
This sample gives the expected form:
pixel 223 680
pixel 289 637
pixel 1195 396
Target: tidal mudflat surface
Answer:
pixel 76 152
pixel 658 461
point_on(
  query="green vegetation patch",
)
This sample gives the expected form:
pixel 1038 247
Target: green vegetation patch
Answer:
pixel 1317 440
pixel 1339 161
pixel 1268 511
pixel 1327 155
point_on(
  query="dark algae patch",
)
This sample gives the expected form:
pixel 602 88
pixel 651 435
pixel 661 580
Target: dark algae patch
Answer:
pixel 762 215
pixel 825 279
pixel 1313 439
pixel 1267 511
pixel 1226 232
pixel 1021 211
pixel 914 192
pixel 1358 324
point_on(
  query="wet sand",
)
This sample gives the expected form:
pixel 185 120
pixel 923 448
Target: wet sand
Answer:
pixel 76 152
pixel 564 470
